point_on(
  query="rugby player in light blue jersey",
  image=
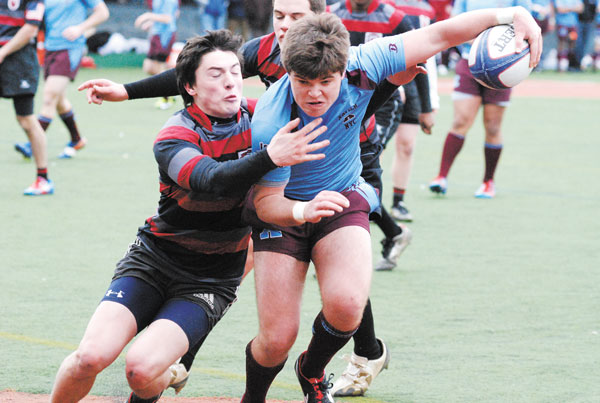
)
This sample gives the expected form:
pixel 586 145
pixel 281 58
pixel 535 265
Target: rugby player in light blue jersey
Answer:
pixel 67 22
pixel 161 26
pixel 318 211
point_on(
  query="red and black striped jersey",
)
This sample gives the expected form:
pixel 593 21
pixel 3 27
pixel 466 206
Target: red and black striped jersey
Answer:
pixel 380 19
pixel 262 58
pixel 196 217
pixel 16 13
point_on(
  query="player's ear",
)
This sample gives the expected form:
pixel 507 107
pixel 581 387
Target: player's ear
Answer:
pixel 190 90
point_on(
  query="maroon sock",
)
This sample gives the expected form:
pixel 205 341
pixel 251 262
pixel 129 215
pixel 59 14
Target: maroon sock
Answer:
pixel 69 119
pixel 258 378
pixel 44 122
pixel 326 341
pixel 492 155
pixel 452 146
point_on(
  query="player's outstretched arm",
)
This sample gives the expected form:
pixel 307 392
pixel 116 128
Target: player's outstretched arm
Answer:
pixel 290 147
pixel 158 85
pixel 100 89
pixel 273 207
pixel 420 44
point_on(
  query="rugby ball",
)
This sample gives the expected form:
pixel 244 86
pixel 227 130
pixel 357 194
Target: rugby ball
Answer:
pixel 493 60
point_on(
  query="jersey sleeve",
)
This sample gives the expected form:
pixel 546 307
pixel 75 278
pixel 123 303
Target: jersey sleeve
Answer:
pixel 34 12
pixel 378 58
pixel 91 3
pixel 180 157
pixel 158 85
pixel 250 53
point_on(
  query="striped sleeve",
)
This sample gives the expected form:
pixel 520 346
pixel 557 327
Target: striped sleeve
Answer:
pixel 178 154
pixel 34 12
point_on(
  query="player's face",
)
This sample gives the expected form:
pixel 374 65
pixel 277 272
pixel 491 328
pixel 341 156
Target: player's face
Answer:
pixel 218 87
pixel 285 12
pixel 316 96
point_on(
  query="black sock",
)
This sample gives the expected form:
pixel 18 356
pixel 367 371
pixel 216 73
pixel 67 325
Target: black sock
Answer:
pixel 133 398
pixel 398 195
pixel 326 341
pixel 365 342
pixel 69 120
pixel 43 173
pixel 258 378
pixel 387 224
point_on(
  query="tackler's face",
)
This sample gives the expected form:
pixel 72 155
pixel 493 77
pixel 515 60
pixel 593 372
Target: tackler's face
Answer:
pixel 315 96
pixel 217 89
pixel 285 12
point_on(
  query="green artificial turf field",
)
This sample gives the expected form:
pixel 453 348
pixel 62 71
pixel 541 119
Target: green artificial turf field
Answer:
pixel 494 301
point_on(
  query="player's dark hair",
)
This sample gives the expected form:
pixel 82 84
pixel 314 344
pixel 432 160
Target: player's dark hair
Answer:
pixel 316 45
pixel 191 55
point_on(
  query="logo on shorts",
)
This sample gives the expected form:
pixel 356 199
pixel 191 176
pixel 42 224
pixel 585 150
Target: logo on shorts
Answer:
pixel 393 47
pixel 25 84
pixel 110 293
pixel 208 298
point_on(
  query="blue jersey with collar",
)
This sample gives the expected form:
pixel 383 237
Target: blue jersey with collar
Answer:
pixel 462 6
pixel 165 31
pixel 62 14
pixel 367 65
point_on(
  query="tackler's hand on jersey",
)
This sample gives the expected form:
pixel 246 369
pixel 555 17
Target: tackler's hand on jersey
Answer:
pixel 289 147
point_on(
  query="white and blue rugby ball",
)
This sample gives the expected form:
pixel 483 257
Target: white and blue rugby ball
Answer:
pixel 493 60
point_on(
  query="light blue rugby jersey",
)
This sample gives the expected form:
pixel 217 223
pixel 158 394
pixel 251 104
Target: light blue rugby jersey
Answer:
pixel 569 19
pixel 462 6
pixel 165 31
pixel 368 64
pixel 61 14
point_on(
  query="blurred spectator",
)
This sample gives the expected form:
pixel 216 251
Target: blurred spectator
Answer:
pixel 543 12
pixel 212 14
pixel 258 14
pixel 586 32
pixel 567 21
pixel 236 19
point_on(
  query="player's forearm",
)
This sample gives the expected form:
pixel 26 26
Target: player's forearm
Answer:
pixel 23 37
pixel 159 85
pixel 422 43
pixel 422 82
pixel 163 18
pixel 275 209
pixel 97 17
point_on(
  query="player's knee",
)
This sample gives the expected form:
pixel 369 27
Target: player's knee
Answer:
pixel 90 361
pixel 345 313
pixel 26 122
pixel 278 343
pixel 139 374
pixel 405 149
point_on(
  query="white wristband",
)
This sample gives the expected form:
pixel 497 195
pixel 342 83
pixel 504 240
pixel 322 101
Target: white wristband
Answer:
pixel 506 16
pixel 298 211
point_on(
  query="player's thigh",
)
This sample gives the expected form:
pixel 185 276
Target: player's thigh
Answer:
pixel 279 282
pixel 55 86
pixel 343 263
pixel 406 136
pixel 109 330
pixel 159 346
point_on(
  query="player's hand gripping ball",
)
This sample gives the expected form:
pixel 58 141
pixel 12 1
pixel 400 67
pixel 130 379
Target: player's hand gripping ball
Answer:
pixel 493 60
